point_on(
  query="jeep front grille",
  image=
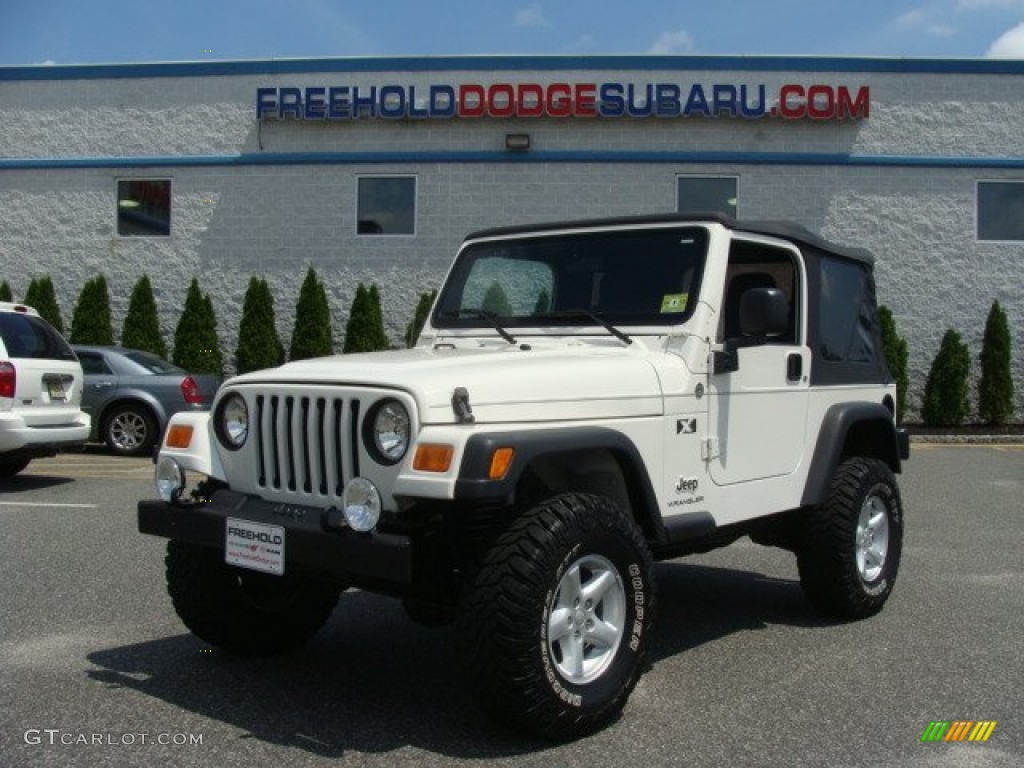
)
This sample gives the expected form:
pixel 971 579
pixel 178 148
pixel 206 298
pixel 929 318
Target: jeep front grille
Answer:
pixel 307 445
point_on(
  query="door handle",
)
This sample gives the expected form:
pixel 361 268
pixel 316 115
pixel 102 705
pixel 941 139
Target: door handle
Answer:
pixel 794 366
pixel 103 385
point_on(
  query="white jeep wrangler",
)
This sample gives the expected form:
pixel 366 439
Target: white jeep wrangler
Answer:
pixel 585 398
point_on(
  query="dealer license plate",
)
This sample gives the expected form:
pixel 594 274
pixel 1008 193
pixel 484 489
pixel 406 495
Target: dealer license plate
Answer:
pixel 256 546
pixel 55 388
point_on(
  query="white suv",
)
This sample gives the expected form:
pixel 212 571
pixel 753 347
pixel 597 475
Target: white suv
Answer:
pixel 40 390
pixel 585 398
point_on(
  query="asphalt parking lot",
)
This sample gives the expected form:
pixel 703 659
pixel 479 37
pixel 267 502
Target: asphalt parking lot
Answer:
pixel 96 670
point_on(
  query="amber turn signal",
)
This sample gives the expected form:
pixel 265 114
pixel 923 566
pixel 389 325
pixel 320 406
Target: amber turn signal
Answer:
pixel 500 462
pixel 432 457
pixel 179 436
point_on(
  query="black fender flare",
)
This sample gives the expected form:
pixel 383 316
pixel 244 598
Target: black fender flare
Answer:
pixel 473 482
pixel 875 431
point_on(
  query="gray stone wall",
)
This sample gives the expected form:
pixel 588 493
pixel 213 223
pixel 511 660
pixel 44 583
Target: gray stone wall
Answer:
pixel 233 221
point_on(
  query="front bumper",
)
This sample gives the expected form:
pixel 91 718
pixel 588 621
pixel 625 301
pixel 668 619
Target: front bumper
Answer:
pixel 311 546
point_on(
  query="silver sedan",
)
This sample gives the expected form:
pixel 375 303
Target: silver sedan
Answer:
pixel 131 394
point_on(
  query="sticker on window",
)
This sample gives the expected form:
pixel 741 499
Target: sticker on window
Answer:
pixel 673 302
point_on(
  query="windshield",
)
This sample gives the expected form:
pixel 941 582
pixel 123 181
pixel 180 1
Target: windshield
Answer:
pixel 634 277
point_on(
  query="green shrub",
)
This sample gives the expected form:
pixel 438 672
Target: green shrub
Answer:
pixel 196 346
pixel 419 318
pixel 5 292
pixel 995 389
pixel 896 356
pixel 43 298
pixel 945 391
pixel 311 335
pixel 259 345
pixel 379 335
pixel 364 331
pixel 141 329
pixel 496 301
pixel 90 321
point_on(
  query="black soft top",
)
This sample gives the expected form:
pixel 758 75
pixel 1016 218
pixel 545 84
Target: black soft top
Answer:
pixel 785 230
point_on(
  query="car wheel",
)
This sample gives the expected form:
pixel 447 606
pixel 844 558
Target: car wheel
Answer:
pixel 11 467
pixel 556 625
pixel 851 551
pixel 130 430
pixel 246 613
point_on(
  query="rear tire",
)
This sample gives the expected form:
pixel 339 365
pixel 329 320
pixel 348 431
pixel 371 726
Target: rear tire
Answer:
pixel 11 467
pixel 853 541
pixel 555 630
pixel 244 612
pixel 130 430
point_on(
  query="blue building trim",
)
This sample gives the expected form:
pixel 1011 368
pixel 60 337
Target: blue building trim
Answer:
pixel 537 156
pixel 418 64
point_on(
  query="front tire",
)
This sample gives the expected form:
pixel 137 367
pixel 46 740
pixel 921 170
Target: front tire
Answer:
pixel 853 542
pixel 246 613
pixel 555 630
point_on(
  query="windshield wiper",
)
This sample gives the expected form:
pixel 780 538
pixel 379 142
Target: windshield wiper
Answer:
pixel 591 316
pixel 483 314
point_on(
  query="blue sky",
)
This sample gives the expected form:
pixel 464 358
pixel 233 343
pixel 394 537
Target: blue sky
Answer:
pixel 100 31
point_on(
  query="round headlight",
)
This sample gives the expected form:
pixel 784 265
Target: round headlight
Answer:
pixel 233 421
pixel 388 436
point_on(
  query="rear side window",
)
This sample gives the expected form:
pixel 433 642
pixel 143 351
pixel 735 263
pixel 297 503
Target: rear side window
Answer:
pixel 30 336
pixel 846 312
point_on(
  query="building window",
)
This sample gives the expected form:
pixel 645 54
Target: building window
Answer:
pixel 386 205
pixel 144 207
pixel 1001 210
pixel 706 194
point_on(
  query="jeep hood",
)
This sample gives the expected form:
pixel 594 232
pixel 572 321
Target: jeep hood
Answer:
pixel 505 384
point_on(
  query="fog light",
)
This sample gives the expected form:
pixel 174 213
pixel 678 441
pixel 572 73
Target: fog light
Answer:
pixel 170 479
pixel 361 504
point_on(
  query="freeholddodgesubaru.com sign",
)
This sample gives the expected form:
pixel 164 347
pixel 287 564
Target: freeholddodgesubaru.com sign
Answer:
pixel 564 100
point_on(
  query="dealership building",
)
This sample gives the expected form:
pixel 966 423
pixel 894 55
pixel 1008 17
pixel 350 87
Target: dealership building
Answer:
pixel 373 170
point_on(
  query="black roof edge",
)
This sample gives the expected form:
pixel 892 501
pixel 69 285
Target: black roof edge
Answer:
pixel 785 230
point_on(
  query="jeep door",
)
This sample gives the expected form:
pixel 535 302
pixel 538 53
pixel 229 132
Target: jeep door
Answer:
pixel 758 412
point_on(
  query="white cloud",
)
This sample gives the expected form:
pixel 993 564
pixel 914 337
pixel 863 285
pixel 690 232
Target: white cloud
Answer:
pixel 531 16
pixel 1010 45
pixel 911 19
pixel 677 41
pixel 976 5
pixel 945 31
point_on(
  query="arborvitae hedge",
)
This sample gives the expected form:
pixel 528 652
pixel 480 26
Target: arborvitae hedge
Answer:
pixel 496 301
pixel 945 391
pixel 419 318
pixel 90 322
pixel 364 331
pixel 311 335
pixel 43 298
pixel 995 389
pixel 196 346
pixel 141 329
pixel 5 292
pixel 259 346
pixel 896 356
pixel 380 336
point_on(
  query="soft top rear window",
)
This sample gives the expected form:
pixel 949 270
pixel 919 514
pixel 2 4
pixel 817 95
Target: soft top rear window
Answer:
pixel 626 277
pixel 31 336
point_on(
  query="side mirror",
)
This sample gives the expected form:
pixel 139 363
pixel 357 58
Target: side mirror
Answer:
pixel 763 312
